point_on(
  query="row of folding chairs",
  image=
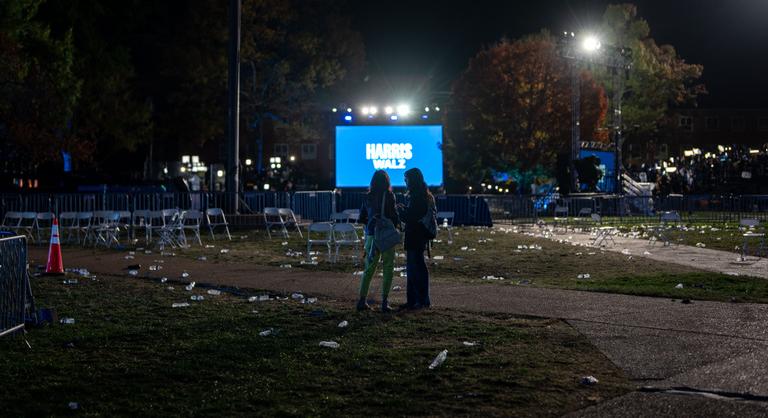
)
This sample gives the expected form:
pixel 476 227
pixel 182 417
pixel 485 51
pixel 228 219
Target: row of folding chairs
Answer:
pixel 104 227
pixel 282 219
pixel 332 235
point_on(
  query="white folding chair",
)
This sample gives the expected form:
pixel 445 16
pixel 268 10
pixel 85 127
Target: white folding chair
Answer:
pixel 125 221
pixel 345 234
pixel 445 221
pixel 289 218
pixel 190 221
pixel 668 221
pixel 28 225
pixel 272 218
pixel 105 228
pixel 602 234
pixel 339 217
pixel 139 220
pixel 215 217
pixel 751 231
pixel 11 222
pixel 353 215
pixel 320 233
pixel 561 216
pixel 172 231
pixel 154 224
pixel 43 223
pixel 69 227
pixel 83 225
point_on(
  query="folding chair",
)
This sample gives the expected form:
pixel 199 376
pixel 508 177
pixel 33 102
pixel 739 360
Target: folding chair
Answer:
pixel 668 221
pixel 272 218
pixel 289 218
pixel 153 225
pixel 11 222
pixel 105 228
pixel 602 234
pixel 353 215
pixel 139 220
pixel 583 217
pixel 28 225
pixel 445 221
pixel 125 221
pixel 171 232
pixel 320 233
pixel 752 231
pixel 191 220
pixel 339 217
pixel 83 225
pixel 69 227
pixel 216 213
pixel 345 234
pixel 561 216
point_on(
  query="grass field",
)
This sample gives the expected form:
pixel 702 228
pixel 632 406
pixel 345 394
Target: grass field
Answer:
pixel 520 259
pixel 130 353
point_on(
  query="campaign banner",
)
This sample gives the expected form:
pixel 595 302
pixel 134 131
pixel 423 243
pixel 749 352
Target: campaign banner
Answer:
pixel 363 149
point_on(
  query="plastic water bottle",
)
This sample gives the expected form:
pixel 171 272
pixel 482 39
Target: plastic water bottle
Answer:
pixel 266 332
pixel 343 324
pixel 214 292
pixel 180 305
pixel 133 272
pixel 68 321
pixel 197 297
pixel 70 281
pixel 163 279
pixel 329 344
pixel 440 359
pixel 185 275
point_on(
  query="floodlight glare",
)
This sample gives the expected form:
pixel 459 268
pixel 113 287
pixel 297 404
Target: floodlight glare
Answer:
pixel 388 110
pixel 426 108
pixel 365 110
pixel 220 173
pixel 348 118
pixel 591 44
pixel 437 108
pixel 393 117
pixel 373 110
pixel 248 161
pixel 292 158
pixel 334 110
pixel 403 110
pixel 266 186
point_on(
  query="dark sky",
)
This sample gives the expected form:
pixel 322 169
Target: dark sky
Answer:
pixel 419 40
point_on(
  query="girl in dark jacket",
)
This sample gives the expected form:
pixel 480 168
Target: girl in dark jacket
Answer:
pixel 370 211
pixel 419 201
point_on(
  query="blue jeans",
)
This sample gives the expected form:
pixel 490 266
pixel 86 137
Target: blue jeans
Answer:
pixel 418 278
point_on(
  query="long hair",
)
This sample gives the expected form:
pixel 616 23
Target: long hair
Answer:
pixel 416 184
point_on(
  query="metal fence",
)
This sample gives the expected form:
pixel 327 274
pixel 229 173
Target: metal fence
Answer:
pixel 13 284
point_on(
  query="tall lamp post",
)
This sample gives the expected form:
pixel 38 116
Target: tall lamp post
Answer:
pixel 233 119
pixel 588 49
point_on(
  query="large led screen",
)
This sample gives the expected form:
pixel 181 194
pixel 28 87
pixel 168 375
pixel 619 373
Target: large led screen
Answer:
pixel 361 150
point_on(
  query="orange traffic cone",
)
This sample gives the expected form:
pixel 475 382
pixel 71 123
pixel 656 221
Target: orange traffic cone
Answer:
pixel 55 265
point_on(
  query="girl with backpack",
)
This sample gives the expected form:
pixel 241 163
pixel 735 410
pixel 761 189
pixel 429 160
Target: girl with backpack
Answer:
pixel 420 225
pixel 378 203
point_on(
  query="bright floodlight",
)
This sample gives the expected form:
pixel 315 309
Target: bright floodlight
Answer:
pixel 388 110
pixel 365 110
pixel 403 110
pixel 373 110
pixel 591 43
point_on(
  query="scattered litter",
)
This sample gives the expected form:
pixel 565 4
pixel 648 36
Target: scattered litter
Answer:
pixel 68 321
pixel 311 263
pixel 440 359
pixel 285 243
pixel 396 288
pixel 464 248
pixel 297 296
pixel 438 257
pixel 646 253
pixel 197 297
pixel 224 251
pixel 70 281
pixel 147 251
pixel 358 273
pixel 267 332
pixel 470 343
pixel 190 286
pixel 170 288
pixel 583 276
pixel 129 257
pixel 626 252
pixel 589 380
pixel 133 272
pixel 343 324
pixel 74 406
pixel 679 286
pixel 163 279
pixel 202 258
pixel 329 344
pixel 209 246
pixel 214 292
pixel 309 301
pixel 492 277
pixel 285 266
pixel 701 245
pixel 180 305
pixel 259 298
pixel 155 268
pixel 184 275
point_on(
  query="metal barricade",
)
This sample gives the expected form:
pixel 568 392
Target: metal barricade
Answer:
pixel 14 284
pixel 316 206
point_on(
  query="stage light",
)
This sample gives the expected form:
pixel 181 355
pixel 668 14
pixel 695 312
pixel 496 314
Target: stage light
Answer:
pixel 278 159
pixel 721 148
pixel 403 110
pixel 388 110
pixel 349 110
pixel 365 110
pixel 590 43
pixel 165 170
pixel 348 118
pixel 393 117
pixel 334 110
pixel 266 186
pixel 426 108
pixel 248 161
pixel 292 158
pixel 220 173
pixel 278 165
pixel 183 169
pixel 373 110
pixel 437 108
pixel 271 159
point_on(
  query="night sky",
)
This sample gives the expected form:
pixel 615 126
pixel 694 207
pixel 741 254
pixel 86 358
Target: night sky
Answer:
pixel 412 45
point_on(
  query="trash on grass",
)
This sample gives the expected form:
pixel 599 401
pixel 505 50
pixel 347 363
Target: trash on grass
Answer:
pixel 329 344
pixel 343 324
pixel 297 296
pixel 396 288
pixel 438 257
pixel 440 359
pixel 197 297
pixel 309 301
pixel 180 305
pixel 67 321
pixel 133 272
pixel 470 343
pixel 266 332
pixel 214 292
pixel 589 380
pixel 184 275
pixel 679 286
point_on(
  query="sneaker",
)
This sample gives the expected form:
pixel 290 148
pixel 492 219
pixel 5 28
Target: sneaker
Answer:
pixel 362 306
pixel 385 306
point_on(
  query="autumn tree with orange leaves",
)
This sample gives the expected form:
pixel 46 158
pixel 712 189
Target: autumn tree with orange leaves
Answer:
pixel 511 111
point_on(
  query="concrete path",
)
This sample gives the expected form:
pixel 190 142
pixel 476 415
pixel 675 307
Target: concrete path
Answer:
pixel 710 353
pixel 702 258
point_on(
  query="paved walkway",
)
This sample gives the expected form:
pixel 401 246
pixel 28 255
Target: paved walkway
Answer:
pixel 705 347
